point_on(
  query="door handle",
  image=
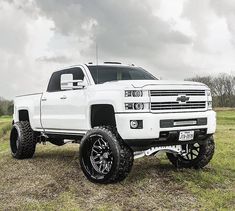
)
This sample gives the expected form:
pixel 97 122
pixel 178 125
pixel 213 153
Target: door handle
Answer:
pixel 44 99
pixel 63 98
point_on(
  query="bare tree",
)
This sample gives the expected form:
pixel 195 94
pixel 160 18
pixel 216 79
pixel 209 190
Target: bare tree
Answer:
pixel 222 88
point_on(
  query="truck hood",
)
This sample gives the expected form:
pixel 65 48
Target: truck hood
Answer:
pixel 151 84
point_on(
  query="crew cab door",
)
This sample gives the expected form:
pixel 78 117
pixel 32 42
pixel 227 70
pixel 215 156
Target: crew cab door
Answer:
pixel 64 110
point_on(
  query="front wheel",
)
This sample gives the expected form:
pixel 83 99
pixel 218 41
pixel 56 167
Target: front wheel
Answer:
pixel 198 156
pixel 104 157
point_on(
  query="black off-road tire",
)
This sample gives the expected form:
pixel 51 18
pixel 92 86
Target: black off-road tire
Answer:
pixel 123 156
pixel 206 152
pixel 22 141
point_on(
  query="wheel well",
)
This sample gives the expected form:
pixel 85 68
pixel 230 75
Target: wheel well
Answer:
pixel 102 114
pixel 23 115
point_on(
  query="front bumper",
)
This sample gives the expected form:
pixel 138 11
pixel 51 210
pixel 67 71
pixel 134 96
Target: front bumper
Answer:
pixel 171 139
pixel 151 124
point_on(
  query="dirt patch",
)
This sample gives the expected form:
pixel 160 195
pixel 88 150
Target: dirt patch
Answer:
pixel 55 171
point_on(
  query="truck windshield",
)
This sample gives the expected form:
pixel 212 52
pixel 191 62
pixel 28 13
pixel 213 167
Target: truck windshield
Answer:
pixel 102 74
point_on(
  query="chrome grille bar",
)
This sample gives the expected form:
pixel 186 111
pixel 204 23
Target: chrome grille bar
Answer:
pixel 177 105
pixel 177 92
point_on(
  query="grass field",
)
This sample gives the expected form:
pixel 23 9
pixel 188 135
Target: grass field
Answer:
pixel 53 180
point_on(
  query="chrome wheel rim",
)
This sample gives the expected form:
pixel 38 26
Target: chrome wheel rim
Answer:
pixel 101 157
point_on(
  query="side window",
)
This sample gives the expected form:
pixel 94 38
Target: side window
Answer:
pixel 65 75
pixel 54 83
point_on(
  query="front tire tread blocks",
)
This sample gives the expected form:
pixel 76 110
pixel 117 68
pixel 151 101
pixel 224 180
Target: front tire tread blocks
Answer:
pixel 122 154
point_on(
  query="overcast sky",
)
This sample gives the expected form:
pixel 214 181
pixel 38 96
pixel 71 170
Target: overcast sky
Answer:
pixel 172 39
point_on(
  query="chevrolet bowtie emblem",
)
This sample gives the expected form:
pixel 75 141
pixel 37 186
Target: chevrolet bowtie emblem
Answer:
pixel 182 98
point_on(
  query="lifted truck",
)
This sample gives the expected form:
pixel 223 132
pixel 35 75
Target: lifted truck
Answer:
pixel 117 113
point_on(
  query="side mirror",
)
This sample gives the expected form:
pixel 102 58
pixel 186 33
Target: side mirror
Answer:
pixel 71 84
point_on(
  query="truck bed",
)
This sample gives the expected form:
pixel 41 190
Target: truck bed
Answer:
pixel 32 103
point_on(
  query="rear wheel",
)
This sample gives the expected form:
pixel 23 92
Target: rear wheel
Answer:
pixel 22 140
pixel 104 157
pixel 198 156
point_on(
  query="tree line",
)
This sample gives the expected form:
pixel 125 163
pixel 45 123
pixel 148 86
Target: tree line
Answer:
pixel 222 88
pixel 6 107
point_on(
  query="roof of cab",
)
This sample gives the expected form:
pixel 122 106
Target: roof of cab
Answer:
pixel 109 64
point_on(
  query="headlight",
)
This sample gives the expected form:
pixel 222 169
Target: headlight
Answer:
pixel 133 93
pixel 209 105
pixel 208 93
pixel 209 99
pixel 138 106
pixel 135 106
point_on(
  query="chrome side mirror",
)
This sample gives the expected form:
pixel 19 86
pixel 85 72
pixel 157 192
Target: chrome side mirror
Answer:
pixel 71 84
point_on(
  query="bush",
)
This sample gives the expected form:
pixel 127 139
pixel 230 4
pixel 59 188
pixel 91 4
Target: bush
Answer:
pixel 6 107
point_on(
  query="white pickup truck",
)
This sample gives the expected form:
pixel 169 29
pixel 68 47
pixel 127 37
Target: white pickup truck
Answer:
pixel 117 113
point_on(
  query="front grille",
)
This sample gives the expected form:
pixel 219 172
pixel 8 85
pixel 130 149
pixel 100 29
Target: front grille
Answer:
pixel 177 92
pixel 177 105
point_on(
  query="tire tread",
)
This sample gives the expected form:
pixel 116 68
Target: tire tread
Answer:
pixel 27 141
pixel 204 158
pixel 126 156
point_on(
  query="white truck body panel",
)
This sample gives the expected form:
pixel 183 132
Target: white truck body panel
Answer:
pixel 31 103
pixel 65 110
pixel 152 124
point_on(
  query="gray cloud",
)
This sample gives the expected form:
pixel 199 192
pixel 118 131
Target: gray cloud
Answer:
pixel 130 31
pixel 226 9
pixel 199 14
pixel 121 28
pixel 54 59
pixel 13 35
pixel 13 39
pixel 17 70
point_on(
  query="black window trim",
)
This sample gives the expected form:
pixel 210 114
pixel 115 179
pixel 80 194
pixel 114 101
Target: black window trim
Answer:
pixel 69 68
pixel 93 81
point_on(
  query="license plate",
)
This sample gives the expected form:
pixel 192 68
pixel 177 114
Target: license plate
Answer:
pixel 186 135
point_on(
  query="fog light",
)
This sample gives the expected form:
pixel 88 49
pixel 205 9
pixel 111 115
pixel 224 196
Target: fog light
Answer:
pixel 134 124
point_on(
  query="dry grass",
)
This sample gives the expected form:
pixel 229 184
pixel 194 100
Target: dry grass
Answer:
pixel 224 109
pixel 53 180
